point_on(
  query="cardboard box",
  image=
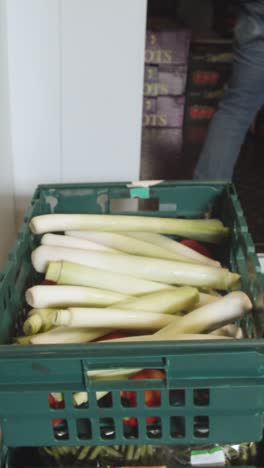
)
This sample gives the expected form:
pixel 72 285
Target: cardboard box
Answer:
pixel 165 80
pixel 163 111
pixel 161 152
pixel 167 47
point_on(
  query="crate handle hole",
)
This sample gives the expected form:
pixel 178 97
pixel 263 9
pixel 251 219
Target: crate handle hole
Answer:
pixel 60 429
pixel 130 427
pixel 154 427
pixel 177 397
pixel 107 428
pixel 177 427
pixel 134 205
pixel 80 400
pixel 201 427
pixel 201 397
pixel 84 428
pixel 56 400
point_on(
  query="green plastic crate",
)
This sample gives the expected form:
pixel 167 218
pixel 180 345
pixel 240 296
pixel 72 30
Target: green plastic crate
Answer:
pixel 230 373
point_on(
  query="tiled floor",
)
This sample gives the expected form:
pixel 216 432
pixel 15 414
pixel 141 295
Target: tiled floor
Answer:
pixel 162 163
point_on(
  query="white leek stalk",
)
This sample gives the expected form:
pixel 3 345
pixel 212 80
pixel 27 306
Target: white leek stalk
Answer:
pixel 39 320
pixel 203 230
pixel 112 374
pixel 116 319
pixel 81 275
pixel 73 242
pixel 80 398
pixel 173 247
pixel 205 298
pixel 229 308
pixel 231 330
pixel 48 296
pixel 168 337
pixel 23 340
pixel 66 335
pixel 163 271
pixel 169 301
pixel 239 334
pixel 127 244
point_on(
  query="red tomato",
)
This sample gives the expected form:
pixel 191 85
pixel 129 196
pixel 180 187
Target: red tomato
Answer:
pixel 57 422
pixel 197 78
pixel 194 111
pixel 149 374
pixel 214 77
pixel 211 112
pixel 47 282
pixel 54 403
pixel 206 112
pixel 204 78
pixel 112 336
pixel 197 246
pixel 203 112
pixel 132 421
pixel 151 397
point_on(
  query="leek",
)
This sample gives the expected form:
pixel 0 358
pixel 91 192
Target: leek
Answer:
pixel 172 246
pixel 73 242
pixel 65 335
pixel 127 245
pixel 38 320
pixel 116 319
pixel 112 374
pixel 205 298
pixel 203 230
pixel 229 308
pixel 80 275
pixel 23 340
pixel 228 330
pixel 169 301
pixel 46 296
pixel 169 337
pixel 151 269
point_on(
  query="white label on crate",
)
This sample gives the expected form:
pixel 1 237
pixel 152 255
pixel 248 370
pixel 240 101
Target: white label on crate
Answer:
pixel 144 183
pixel 261 261
pixel 210 457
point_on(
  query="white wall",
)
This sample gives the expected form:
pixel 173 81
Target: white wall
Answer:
pixel 7 229
pixel 33 50
pixel 76 78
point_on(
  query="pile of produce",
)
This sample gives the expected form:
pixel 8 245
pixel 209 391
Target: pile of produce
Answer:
pixel 121 279
pixel 106 274
pixel 149 455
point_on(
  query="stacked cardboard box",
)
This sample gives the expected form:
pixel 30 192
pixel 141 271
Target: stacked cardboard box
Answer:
pixel 208 75
pixel 166 58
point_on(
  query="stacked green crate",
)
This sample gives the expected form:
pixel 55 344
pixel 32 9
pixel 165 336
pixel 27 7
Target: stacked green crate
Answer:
pixel 230 376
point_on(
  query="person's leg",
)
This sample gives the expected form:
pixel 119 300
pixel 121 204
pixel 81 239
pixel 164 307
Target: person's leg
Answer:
pixel 237 110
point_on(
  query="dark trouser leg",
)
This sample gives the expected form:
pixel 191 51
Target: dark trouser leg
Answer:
pixel 237 110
